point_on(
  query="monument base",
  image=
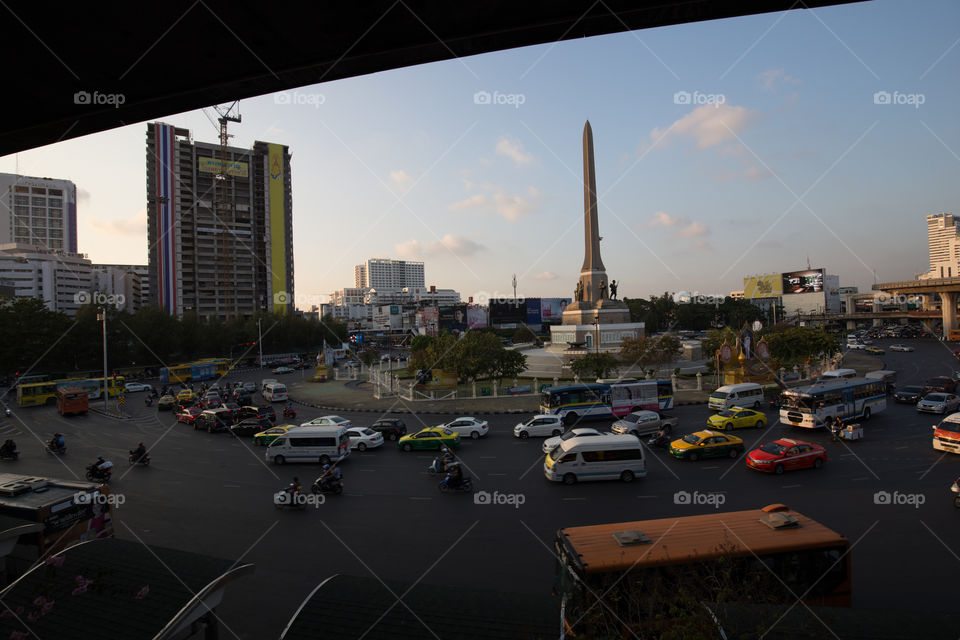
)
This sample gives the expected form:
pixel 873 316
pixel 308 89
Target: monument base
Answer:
pixel 609 312
pixel 587 336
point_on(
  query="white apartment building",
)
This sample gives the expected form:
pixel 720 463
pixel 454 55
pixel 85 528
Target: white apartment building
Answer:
pixel 943 240
pixel 119 284
pixel 63 280
pixel 384 273
pixel 38 212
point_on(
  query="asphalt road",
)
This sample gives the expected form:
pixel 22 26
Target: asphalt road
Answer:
pixel 212 494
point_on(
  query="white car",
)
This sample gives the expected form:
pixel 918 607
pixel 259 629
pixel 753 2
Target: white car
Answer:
pixel 265 382
pixel 132 387
pixel 328 421
pixel 900 347
pixel 551 443
pixel 282 370
pixel 939 403
pixel 539 426
pixel 467 426
pixel 856 345
pixel 363 438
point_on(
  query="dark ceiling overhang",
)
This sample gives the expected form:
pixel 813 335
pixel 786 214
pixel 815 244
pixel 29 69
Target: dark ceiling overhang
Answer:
pixel 170 57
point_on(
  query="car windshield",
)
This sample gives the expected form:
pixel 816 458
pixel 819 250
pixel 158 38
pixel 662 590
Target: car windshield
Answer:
pixel 953 427
pixel 727 413
pixel 368 432
pixel 911 389
pixel 572 434
pixel 719 395
pixel 773 448
pixel 935 397
pixel 556 452
pixel 630 417
pixel 692 438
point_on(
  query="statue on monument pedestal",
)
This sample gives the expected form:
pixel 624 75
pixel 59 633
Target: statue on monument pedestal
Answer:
pixel 603 289
pixel 578 292
pixel 613 289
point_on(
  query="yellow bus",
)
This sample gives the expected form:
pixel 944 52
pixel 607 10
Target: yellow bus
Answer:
pixel 208 369
pixel 40 393
pixel 624 579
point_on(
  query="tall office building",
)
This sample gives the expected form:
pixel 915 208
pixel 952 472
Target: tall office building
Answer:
pixel 943 239
pixel 220 231
pixel 38 211
pixel 383 273
pixel 63 280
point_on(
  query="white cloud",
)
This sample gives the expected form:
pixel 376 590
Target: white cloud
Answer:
pixel 133 226
pixel 756 173
pixel 681 226
pixel 83 196
pixel 400 179
pixel 707 125
pixel 514 149
pixel 450 243
pixel 661 219
pixel 474 201
pixel 546 275
pixel 514 207
pixel 772 77
pixel 693 230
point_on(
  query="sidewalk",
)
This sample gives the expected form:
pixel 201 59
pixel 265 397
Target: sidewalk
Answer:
pixel 349 395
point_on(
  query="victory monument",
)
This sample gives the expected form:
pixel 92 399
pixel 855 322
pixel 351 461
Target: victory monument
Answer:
pixel 595 320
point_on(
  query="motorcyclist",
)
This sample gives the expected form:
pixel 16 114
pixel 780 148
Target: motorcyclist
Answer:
pixel 102 466
pixel 454 474
pixel 139 452
pixel 6 411
pixel 294 487
pixel 57 442
pixel 288 409
pixel 8 448
pixel 148 400
pixel 330 476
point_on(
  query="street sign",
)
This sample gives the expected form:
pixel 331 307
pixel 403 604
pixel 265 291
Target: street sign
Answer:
pixel 121 399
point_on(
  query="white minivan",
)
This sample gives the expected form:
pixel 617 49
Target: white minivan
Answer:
pixel 745 394
pixel 275 392
pixel 596 458
pixel 310 444
pixel 835 374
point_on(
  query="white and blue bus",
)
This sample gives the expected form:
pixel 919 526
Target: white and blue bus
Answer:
pixel 597 401
pixel 849 398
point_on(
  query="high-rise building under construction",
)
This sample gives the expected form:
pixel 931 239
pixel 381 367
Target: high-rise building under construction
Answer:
pixel 219 228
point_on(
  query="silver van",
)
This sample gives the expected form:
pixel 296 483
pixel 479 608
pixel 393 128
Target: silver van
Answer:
pixel 310 444
pixel 596 458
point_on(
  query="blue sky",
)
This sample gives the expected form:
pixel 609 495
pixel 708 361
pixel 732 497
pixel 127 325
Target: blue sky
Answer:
pixel 786 156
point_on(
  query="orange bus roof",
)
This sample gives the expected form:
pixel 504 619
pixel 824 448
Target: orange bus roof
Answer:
pixel 692 538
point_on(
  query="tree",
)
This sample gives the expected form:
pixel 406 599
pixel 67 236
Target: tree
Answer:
pixel 651 352
pixel 796 345
pixel 510 364
pixel 664 350
pixel 636 352
pixel 595 365
pixel 369 356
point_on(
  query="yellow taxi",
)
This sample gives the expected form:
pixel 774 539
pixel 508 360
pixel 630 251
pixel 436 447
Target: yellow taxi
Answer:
pixel 186 395
pixel 265 437
pixel 165 402
pixel 706 444
pixel 737 418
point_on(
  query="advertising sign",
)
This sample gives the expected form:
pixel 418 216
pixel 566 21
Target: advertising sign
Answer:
pixel 770 286
pixel 551 309
pixel 508 313
pixel 453 318
pixel 476 317
pixel 431 319
pixel 212 165
pixel 533 311
pixel 809 281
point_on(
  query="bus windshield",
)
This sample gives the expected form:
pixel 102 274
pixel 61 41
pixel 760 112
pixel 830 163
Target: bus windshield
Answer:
pixel 803 404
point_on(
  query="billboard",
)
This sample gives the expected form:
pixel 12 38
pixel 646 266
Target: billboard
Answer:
pixel 453 318
pixel 212 165
pixel 508 312
pixel 809 281
pixel 551 309
pixel 533 311
pixel 429 319
pixel 476 317
pixel 770 286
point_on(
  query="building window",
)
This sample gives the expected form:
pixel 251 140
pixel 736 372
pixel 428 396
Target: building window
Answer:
pixel 55 202
pixel 38 201
pixel 21 199
pixel 38 190
pixel 21 189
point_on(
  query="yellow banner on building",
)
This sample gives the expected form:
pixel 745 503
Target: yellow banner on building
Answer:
pixel 278 230
pixel 770 286
pixel 212 165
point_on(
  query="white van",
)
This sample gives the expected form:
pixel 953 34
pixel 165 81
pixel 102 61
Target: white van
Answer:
pixel 275 392
pixel 596 458
pixel 835 374
pixel 310 444
pixel 745 394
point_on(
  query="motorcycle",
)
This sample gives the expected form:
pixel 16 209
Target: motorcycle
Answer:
pixel 9 455
pixel 661 441
pixel 143 460
pixel 148 401
pixel 448 484
pixel 437 466
pixel 95 474
pixel 7 412
pixel 956 489
pixel 290 413
pixel 327 485
pixel 289 496
pixel 56 450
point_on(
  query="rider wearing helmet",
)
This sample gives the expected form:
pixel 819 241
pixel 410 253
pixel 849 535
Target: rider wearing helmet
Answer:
pixel 139 452
pixel 454 473
pixel 57 442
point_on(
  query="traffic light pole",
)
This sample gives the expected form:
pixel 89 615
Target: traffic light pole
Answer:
pixel 102 315
pixel 260 342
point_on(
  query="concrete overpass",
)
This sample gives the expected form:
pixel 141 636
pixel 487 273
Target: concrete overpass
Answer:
pixel 947 289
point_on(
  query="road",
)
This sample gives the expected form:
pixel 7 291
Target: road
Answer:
pixel 212 494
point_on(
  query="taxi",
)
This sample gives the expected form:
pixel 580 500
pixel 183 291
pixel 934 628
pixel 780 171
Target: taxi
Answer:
pixel 706 444
pixel 265 437
pixel 429 438
pixel 737 418
pixel 165 402
pixel 186 395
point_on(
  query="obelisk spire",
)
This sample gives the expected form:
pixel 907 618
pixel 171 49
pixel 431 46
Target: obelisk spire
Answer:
pixel 591 229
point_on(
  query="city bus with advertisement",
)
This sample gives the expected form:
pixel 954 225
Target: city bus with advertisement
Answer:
pixel 195 371
pixel 70 511
pixel 40 393
pixel 644 568
pixel 848 398
pixel 72 400
pixel 600 401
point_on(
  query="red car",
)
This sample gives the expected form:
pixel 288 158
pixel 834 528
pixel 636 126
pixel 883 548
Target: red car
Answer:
pixel 188 415
pixel 786 455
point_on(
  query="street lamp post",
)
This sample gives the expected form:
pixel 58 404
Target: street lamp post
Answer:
pixel 596 335
pixel 102 316
pixel 260 342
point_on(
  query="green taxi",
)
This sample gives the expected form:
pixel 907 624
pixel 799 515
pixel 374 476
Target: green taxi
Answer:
pixel 706 444
pixel 429 438
pixel 737 418
pixel 265 437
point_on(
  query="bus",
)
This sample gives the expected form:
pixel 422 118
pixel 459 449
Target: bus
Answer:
pixel 209 369
pixel 597 400
pixel 71 400
pixel 849 398
pixel 40 393
pixel 645 570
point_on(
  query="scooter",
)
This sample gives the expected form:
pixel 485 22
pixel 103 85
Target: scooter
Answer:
pixel 94 474
pixel 290 413
pixel 290 497
pixel 437 466
pixel 144 459
pixel 55 450
pixel 447 485
pixel 661 441
pixel 9 455
pixel 327 485
pixel 956 489
pixel 148 401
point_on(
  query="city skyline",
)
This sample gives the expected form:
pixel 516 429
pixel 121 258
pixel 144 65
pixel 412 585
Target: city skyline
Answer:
pixel 777 148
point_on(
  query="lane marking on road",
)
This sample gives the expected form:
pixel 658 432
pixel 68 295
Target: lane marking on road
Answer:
pixel 419 498
pixel 709 467
pixel 232 486
pixel 573 499
pixel 488 457
pixel 496 474
pixel 791 486
pixel 366 469
pixel 646 496
pixel 858 479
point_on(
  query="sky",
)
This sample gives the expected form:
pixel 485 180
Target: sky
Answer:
pixel 723 149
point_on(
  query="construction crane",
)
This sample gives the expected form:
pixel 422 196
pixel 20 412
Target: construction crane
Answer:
pixel 224 211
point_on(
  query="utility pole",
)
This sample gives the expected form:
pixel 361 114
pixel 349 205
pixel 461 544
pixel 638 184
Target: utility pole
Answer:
pixel 102 316
pixel 260 342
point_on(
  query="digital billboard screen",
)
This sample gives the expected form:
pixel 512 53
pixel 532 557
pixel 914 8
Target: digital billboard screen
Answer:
pixel 769 286
pixel 508 312
pixel 809 281
pixel 551 309
pixel 453 318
